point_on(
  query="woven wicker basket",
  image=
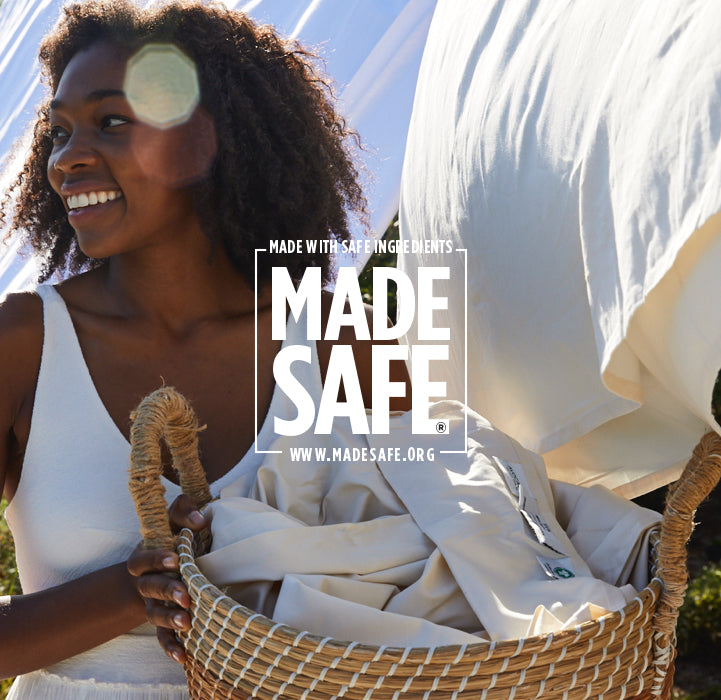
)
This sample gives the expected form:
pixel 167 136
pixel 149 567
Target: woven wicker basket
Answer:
pixel 234 652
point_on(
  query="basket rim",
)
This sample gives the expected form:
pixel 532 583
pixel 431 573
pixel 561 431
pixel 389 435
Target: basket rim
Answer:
pixel 243 617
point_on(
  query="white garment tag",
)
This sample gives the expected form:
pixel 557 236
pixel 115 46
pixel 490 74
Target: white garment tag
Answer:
pixel 513 474
pixel 557 568
pixel 517 484
pixel 528 506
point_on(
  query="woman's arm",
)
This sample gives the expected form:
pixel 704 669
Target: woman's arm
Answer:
pixel 42 628
pixel 21 342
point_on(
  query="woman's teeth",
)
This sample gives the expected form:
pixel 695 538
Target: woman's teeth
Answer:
pixel 78 201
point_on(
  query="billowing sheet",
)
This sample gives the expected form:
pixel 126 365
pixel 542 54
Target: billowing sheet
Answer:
pixel 573 149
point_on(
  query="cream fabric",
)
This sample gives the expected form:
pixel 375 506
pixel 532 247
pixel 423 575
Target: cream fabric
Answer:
pixel 349 547
pixel 573 150
pixel 612 537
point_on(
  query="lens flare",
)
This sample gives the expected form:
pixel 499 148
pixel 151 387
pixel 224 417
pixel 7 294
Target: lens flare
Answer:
pixel 161 85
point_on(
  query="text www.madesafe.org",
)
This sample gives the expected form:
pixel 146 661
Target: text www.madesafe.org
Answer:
pixel 362 454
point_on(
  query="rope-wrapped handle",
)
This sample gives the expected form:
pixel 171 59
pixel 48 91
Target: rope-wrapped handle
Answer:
pixel 701 474
pixel 163 415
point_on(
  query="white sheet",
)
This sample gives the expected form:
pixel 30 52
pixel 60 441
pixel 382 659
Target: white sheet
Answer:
pixel 420 553
pixel 573 148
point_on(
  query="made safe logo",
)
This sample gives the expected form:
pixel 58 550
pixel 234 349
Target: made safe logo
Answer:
pixel 419 302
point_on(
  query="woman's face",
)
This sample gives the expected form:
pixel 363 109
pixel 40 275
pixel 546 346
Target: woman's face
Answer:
pixel 114 173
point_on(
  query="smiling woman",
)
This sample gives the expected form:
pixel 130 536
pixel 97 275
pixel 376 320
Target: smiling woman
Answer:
pixel 176 140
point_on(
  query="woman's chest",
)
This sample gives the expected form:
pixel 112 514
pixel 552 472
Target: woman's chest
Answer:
pixel 229 385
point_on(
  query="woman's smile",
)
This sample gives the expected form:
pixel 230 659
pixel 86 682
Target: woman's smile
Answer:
pixel 80 201
pixel 85 208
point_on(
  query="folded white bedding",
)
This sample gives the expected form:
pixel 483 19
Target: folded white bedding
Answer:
pixel 418 553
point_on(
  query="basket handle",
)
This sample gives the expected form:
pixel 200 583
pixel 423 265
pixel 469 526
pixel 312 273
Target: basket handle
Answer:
pixel 164 414
pixel 697 481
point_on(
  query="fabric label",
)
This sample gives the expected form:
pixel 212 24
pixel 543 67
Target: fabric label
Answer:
pixel 557 568
pixel 528 506
pixel 517 484
pixel 513 474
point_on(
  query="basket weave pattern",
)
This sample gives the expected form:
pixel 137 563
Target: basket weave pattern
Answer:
pixel 234 652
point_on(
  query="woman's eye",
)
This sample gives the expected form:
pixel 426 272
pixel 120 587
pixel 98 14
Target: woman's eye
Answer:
pixel 57 133
pixel 113 120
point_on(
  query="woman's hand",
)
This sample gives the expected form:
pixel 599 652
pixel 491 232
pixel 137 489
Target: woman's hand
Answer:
pixel 156 574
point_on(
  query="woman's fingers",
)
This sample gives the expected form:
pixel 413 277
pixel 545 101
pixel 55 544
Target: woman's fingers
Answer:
pixel 161 587
pixel 172 647
pixel 166 597
pixel 160 615
pixel 141 561
pixel 183 513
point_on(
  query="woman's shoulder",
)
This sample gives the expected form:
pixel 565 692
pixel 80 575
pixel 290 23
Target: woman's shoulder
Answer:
pixel 21 325
pixel 21 345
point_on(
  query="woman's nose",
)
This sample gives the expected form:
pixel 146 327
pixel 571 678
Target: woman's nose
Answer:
pixel 75 152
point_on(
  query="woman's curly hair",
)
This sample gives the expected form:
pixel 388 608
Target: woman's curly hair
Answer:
pixel 284 164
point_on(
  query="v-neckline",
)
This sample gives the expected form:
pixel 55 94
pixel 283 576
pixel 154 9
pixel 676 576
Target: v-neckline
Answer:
pixel 94 395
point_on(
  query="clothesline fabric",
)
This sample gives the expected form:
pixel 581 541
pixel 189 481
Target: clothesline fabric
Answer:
pixel 572 149
pixel 372 50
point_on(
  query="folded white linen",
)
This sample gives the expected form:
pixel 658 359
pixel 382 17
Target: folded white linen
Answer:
pixel 612 537
pixel 456 549
pixel 332 606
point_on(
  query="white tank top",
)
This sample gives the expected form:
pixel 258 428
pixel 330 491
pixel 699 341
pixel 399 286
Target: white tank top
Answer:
pixel 72 512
